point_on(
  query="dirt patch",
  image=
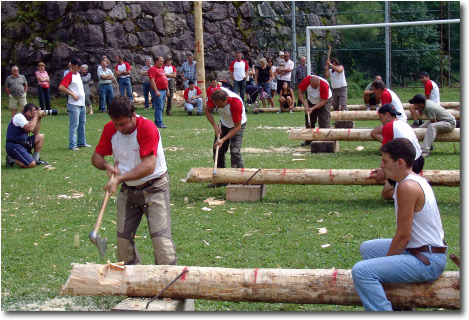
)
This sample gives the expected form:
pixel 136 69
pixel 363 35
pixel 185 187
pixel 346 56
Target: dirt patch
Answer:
pixel 58 304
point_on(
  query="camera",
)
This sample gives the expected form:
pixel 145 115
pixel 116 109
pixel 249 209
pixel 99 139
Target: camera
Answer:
pixel 52 112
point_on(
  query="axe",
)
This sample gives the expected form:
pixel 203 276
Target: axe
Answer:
pixel 94 234
pixel 216 156
pixel 329 54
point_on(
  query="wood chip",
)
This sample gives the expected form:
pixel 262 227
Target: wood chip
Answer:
pixel 325 245
pixel 206 209
pixel 322 230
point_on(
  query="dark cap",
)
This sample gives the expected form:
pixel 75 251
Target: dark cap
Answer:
pixel 76 61
pixel 191 82
pixel 423 74
pixel 418 98
pixel 389 108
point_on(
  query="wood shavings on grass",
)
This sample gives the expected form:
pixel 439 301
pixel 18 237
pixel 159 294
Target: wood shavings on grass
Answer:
pixel 325 245
pixel 322 231
pixel 75 195
pixel 298 159
pixel 214 202
pixel 359 148
pixel 206 209
pixel 206 242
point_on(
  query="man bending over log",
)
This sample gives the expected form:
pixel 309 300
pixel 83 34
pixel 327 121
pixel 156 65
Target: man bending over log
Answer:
pixel 417 252
pixel 135 144
pixel 392 128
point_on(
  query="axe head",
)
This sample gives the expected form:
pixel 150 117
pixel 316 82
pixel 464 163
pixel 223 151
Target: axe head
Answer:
pixel 100 243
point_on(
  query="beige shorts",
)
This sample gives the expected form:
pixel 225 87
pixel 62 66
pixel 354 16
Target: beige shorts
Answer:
pixel 17 102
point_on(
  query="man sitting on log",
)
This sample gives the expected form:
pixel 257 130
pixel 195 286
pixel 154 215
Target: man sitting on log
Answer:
pixel 392 129
pixel 417 252
pixel 439 120
pixel 136 146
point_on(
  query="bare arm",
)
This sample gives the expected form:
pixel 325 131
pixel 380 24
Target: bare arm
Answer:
pixel 69 92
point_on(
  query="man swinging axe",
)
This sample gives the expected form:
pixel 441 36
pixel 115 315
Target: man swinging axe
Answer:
pixel 135 144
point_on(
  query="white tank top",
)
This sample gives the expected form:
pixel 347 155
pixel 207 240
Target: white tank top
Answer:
pixel 426 225
pixel 337 79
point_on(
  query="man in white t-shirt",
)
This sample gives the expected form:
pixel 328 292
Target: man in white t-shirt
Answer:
pixel 238 73
pixel 285 72
pixel 336 72
pixel 193 98
pixel 135 143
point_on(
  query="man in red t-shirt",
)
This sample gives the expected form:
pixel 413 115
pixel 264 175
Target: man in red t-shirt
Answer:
pixel 159 89
pixel 233 122
pixel 136 146
pixel 122 71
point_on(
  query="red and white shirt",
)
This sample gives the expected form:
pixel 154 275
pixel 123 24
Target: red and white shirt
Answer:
pixel 73 82
pixel 233 111
pixel 129 148
pixel 322 92
pixel 123 67
pixel 400 129
pixel 239 69
pixel 388 96
pixel 432 90
pixel 159 75
pixel 191 93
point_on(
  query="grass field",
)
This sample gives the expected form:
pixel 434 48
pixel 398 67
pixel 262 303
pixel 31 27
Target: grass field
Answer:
pixel 48 214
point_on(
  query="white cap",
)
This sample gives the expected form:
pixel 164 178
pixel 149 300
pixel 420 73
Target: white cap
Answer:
pixel 281 53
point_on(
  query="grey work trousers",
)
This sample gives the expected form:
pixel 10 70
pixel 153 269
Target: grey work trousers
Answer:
pixel 234 143
pixel 432 129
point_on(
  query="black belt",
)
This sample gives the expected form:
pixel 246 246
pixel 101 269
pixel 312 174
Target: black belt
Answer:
pixel 416 252
pixel 146 184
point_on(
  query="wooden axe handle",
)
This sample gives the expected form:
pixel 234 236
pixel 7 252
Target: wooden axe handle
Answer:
pixel 329 54
pixel 103 208
pixel 216 155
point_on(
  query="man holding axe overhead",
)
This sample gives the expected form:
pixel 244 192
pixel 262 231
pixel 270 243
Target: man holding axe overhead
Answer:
pixel 135 144
pixel 318 105
pixel 233 122
pixel 336 72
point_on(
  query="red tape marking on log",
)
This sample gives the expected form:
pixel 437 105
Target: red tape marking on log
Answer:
pixel 255 275
pixel 284 172
pixel 317 130
pixel 348 132
pixel 242 170
pixel 330 173
pixel 184 275
pixel 334 277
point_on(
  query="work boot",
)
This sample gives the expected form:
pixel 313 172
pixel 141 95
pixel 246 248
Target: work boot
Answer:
pixel 415 124
pixel 189 113
pixel 168 113
pixel 217 185
pixel 10 162
pixel 306 143
pixel 42 162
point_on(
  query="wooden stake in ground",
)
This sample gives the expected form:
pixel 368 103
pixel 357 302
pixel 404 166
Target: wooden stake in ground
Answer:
pixel 315 286
pixel 449 178
pixel 199 50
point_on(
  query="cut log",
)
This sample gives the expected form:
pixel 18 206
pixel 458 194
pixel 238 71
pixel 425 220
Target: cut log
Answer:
pixel 373 115
pixel 313 286
pixel 317 134
pixel 447 105
pixel 450 178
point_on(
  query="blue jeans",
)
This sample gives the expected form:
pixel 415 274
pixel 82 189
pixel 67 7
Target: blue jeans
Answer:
pixel 77 115
pixel 159 105
pixel 239 87
pixel 190 106
pixel 44 96
pixel 106 95
pixel 125 85
pixel 377 268
pixel 147 90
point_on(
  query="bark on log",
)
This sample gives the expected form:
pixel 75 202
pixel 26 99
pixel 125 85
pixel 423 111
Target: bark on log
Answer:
pixel 313 286
pixel 449 178
pixel 447 105
pixel 360 135
pixel 373 115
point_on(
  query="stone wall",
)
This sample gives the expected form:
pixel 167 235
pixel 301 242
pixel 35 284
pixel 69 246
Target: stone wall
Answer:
pixel 56 31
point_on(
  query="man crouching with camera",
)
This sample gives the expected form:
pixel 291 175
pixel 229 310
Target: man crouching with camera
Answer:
pixel 19 145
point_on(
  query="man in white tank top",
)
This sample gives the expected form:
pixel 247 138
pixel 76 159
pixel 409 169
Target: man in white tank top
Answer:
pixel 417 252
pixel 336 72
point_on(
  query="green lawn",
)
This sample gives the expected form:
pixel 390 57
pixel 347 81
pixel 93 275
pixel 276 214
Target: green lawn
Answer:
pixel 48 214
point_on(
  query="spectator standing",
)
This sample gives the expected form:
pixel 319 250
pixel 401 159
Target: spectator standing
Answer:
pixel 233 122
pixel 192 95
pixel 122 71
pixel 417 252
pixel 69 68
pixel 273 83
pixel 135 143
pixel 264 77
pixel 439 120
pixel 106 92
pixel 369 96
pixel 18 145
pixel 43 86
pixel 336 72
pixel 159 85
pixel 212 87
pixel 146 84
pixel 386 95
pixel 238 73
pixel 432 92
pixel 301 73
pixel 72 85
pixel 16 87
pixel 87 82
pixel 171 74
pixel 285 72
pixel 318 104
pixel 188 70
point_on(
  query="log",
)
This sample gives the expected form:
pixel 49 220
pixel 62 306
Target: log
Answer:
pixel 449 178
pixel 373 115
pixel 447 105
pixel 360 135
pixel 313 286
